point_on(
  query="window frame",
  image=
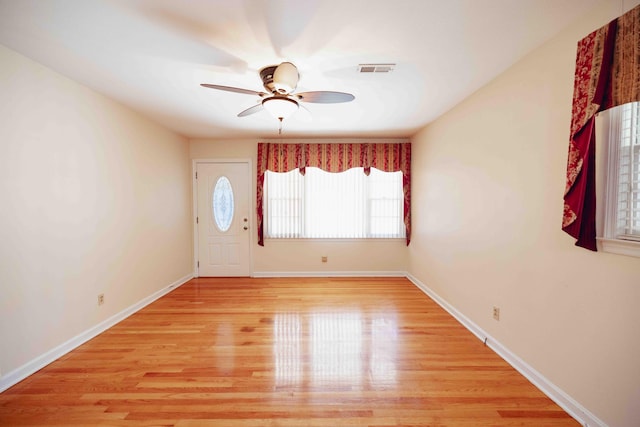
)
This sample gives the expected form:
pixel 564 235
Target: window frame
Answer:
pixel 610 241
pixel 303 205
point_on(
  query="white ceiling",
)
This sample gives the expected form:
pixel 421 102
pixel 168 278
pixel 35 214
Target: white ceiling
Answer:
pixel 152 55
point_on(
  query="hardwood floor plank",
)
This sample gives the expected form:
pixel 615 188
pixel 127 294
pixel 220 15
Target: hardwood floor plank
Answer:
pixel 283 352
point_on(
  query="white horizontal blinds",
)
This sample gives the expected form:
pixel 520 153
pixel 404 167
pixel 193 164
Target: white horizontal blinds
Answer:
pixel 386 204
pixel 628 219
pixel 283 210
pixel 323 204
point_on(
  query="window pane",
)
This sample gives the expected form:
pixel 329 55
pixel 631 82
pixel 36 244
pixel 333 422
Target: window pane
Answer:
pixel 386 203
pixel 628 218
pixel 334 204
pixel 283 204
pixel 223 206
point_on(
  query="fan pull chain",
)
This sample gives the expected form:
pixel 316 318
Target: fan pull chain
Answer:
pixel 280 126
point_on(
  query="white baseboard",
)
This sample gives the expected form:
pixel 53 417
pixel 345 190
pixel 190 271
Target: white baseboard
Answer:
pixel 18 374
pixel 329 274
pixel 566 402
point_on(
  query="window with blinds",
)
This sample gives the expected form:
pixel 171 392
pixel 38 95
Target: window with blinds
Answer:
pixel 628 188
pixel 334 205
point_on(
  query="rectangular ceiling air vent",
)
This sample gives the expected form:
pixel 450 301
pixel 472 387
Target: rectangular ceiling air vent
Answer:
pixel 376 68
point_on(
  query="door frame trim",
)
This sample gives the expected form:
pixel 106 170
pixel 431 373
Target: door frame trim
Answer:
pixel 194 197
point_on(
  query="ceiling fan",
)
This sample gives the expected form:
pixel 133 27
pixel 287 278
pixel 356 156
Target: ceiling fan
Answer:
pixel 280 101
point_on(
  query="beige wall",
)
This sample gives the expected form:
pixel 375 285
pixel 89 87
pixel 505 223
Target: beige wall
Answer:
pixel 284 257
pixel 95 199
pixel 488 180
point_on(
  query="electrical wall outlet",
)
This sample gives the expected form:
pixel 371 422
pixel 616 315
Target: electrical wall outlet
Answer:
pixel 324 259
pixel 496 313
pixel 100 299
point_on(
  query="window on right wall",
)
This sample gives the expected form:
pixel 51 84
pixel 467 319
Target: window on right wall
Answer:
pixel 621 226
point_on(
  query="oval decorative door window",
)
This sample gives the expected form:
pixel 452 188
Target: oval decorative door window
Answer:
pixel 223 205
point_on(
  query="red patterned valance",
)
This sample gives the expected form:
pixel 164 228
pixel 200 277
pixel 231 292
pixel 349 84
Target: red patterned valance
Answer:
pixel 607 75
pixel 388 157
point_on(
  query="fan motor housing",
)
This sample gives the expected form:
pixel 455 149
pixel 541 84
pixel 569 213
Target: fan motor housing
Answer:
pixel 266 74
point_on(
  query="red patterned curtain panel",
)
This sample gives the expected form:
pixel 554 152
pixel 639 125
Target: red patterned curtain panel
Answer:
pixel 334 158
pixel 607 75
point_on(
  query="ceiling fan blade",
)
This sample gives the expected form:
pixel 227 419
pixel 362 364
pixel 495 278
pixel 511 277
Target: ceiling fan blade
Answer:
pixel 251 110
pixel 325 97
pixel 234 89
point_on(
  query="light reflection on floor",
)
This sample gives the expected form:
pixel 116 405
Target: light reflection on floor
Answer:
pixel 225 348
pixel 335 348
pixel 287 349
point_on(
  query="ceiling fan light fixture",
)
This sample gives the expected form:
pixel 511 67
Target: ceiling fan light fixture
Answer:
pixel 280 100
pixel 280 108
pixel 285 78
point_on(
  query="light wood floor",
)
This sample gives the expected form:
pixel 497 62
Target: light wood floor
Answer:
pixel 283 352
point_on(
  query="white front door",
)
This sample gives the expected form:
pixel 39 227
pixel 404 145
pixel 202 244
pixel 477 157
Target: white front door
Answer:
pixel 223 219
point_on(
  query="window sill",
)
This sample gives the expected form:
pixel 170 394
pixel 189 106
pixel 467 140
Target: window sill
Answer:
pixel 620 247
pixel 333 239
